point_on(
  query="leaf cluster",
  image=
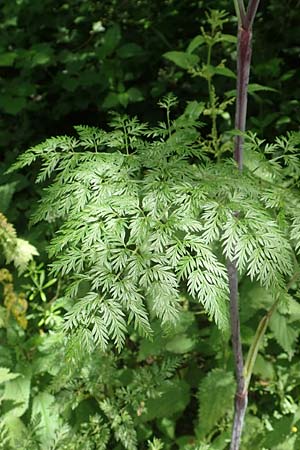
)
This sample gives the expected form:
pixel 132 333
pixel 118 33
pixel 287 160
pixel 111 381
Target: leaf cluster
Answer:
pixel 145 217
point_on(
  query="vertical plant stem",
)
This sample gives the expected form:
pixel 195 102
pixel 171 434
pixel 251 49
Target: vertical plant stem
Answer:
pixel 243 70
pixel 251 12
pixel 241 393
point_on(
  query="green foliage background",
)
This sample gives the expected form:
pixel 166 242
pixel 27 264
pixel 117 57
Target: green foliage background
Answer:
pixel 110 386
pixel 65 63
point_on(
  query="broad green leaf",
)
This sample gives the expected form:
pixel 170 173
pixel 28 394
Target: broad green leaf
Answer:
pixel 16 430
pixel 282 429
pixel 287 75
pixel 167 426
pixel 135 94
pixel 123 99
pixel 12 105
pixel 150 348
pixel 194 109
pixel 192 112
pixel 293 310
pixel 195 43
pixel 111 100
pixel 228 38
pixel 45 409
pixel 221 442
pixel 253 297
pixel 41 54
pixel 284 333
pixel 254 429
pixel 180 344
pixel 6 193
pixel 174 398
pixel 186 319
pixel 6 375
pixel 18 391
pixel 216 393
pixel 182 59
pixel 288 444
pixel 252 89
pixel 224 71
pixel 111 40
pixel 7 59
pixel 283 120
pixel 69 83
pixel 255 87
pixel 263 368
pixel 24 89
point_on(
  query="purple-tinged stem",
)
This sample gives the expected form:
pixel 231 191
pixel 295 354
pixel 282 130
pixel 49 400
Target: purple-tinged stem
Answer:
pixel 241 396
pixel 243 71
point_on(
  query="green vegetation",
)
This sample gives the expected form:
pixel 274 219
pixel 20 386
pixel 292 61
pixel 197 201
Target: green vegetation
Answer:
pixel 114 298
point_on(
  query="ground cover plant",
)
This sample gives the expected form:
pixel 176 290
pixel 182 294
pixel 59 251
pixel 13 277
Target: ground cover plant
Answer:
pixel 126 342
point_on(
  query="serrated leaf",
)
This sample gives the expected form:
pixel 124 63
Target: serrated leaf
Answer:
pixel 6 375
pixel 182 59
pixel 253 298
pixel 284 333
pixel 282 428
pixel 216 393
pixel 293 310
pixel 174 398
pixel 45 410
pixel 263 368
pixel 18 391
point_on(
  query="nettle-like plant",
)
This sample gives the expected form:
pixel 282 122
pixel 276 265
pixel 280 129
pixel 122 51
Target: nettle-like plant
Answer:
pixel 150 222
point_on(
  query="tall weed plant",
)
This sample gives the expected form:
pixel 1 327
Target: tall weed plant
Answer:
pixel 155 228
